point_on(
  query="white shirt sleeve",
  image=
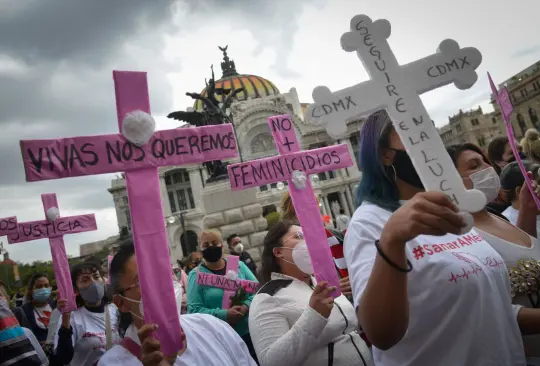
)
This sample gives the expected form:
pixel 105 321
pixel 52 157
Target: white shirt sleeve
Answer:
pixel 118 356
pixel 359 248
pixel 275 342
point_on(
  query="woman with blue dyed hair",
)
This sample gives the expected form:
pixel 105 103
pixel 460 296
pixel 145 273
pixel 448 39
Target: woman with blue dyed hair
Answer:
pixel 425 293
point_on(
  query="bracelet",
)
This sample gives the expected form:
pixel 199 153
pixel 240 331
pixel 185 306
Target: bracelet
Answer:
pixel 392 264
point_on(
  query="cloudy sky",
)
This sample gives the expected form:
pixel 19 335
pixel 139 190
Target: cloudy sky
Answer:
pixel 57 57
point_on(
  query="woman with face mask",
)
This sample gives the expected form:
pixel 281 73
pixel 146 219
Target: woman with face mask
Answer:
pixel 207 340
pixel 293 321
pixel 208 300
pixel 511 242
pixel 39 306
pixel 88 332
pixel 426 293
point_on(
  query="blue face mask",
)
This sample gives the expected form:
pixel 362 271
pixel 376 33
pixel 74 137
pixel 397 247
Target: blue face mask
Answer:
pixel 42 294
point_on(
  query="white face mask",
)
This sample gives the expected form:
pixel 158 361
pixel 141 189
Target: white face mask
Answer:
pixel 238 248
pixel 300 257
pixel 488 182
pixel 141 310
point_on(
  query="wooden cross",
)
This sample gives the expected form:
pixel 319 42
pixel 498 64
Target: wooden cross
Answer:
pixel 397 88
pixel 288 166
pixel 8 225
pixel 229 285
pixel 54 228
pixel 77 156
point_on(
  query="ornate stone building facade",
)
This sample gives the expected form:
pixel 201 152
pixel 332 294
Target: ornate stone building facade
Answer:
pixel 182 187
pixel 524 89
pixel 479 128
pixel 472 126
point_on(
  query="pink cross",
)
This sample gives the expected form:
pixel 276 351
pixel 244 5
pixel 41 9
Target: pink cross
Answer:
pixel 228 285
pixel 284 167
pixel 54 228
pixel 8 225
pixel 502 98
pixel 77 156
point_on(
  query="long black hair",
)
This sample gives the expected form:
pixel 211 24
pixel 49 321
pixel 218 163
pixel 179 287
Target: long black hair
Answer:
pixel 116 271
pixel 273 239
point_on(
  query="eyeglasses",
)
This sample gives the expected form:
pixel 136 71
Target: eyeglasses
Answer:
pixel 135 285
pixel 296 235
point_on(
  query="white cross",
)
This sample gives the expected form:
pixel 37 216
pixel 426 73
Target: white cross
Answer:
pixel 397 89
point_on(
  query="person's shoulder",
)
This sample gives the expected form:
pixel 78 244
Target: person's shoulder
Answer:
pixel 202 321
pixel 118 356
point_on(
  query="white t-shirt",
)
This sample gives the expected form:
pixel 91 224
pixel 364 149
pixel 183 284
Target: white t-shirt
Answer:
pixel 43 316
pixel 511 253
pixel 342 222
pixel 89 338
pixel 285 330
pixel 461 310
pixel 512 215
pixel 210 342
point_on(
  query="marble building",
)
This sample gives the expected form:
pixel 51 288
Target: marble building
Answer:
pixel 182 187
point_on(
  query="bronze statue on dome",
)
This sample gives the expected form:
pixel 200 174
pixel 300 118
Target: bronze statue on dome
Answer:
pixel 213 113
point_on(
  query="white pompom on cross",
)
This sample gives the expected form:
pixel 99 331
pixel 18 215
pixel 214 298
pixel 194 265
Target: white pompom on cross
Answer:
pixel 299 179
pixel 138 127
pixel 232 275
pixel 52 214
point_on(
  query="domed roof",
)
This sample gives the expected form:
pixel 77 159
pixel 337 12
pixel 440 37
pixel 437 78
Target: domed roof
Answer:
pixel 254 86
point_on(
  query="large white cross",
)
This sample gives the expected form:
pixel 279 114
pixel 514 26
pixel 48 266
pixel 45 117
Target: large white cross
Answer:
pixel 397 88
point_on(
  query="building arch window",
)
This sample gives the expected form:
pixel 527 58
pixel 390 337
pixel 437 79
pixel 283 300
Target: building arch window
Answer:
pixel 522 124
pixel 494 120
pixel 263 142
pixel 355 144
pixel 179 190
pixel 189 242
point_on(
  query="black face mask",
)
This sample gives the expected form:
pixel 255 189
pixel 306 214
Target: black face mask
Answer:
pixel 405 169
pixel 212 254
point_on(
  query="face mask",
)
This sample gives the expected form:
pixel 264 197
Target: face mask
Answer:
pixel 93 293
pixel 300 257
pixel 405 169
pixel 41 294
pixel 141 310
pixel 239 248
pixel 487 181
pixel 212 254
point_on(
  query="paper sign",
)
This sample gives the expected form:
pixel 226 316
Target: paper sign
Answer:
pixel 228 285
pixel 304 200
pixel 212 280
pixel 503 100
pixel 34 230
pixel 280 168
pixel 88 155
pixel 397 88
pixel 8 225
pixel 54 231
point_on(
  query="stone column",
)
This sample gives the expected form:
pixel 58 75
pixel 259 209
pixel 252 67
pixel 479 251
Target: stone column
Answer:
pixel 349 200
pixel 323 207
pixel 344 203
pixel 327 206
pixel 353 171
pixel 164 196
pixel 196 187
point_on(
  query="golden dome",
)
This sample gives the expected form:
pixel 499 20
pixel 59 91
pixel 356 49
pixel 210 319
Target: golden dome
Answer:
pixel 254 86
